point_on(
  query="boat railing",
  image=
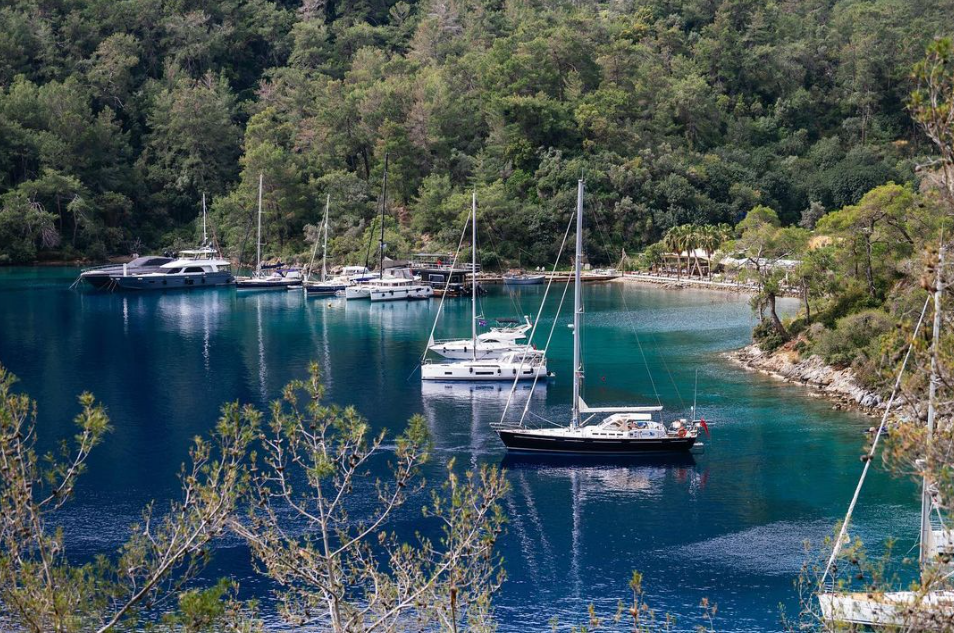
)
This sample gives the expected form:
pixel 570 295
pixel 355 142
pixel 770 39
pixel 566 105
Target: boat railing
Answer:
pixel 90 269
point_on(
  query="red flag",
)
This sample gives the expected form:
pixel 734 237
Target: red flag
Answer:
pixel 705 427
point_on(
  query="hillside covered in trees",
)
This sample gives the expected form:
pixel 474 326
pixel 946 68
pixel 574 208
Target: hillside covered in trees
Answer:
pixel 117 115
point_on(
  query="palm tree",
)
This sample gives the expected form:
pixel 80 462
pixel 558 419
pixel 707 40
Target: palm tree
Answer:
pixel 709 241
pixel 693 241
pixel 673 241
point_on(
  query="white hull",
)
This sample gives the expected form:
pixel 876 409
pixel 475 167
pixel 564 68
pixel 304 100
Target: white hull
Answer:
pixel 901 609
pixel 357 292
pixel 401 293
pixel 473 371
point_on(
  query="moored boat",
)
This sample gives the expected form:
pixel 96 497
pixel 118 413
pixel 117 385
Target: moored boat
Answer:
pixel 274 277
pixel 627 430
pixel 493 344
pixel 398 289
pixel 100 276
pixel 522 279
pixel 468 360
pixel 199 268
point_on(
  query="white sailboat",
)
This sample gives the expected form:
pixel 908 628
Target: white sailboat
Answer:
pixel 524 363
pixel 279 278
pixel 626 430
pixel 930 608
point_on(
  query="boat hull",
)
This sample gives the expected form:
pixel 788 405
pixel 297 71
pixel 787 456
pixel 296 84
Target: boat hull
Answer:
pixel 190 281
pixel 324 290
pixel 529 280
pixel 453 372
pixel 531 443
pixel 357 292
pixel 283 284
pixel 896 609
pixel 401 294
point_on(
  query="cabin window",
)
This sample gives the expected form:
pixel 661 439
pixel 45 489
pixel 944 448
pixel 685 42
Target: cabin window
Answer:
pixel 194 269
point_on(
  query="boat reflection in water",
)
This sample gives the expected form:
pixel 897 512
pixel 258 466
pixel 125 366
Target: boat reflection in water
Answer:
pixel 562 509
pixel 598 463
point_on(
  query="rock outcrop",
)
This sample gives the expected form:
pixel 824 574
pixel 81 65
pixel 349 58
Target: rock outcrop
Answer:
pixel 786 364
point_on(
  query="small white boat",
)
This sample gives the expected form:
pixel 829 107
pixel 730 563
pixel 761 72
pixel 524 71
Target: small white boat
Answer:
pixel 398 289
pixel 279 279
pixel 523 279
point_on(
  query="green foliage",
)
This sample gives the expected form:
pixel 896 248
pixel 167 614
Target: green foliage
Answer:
pixel 675 115
pixel 767 337
pixel 854 339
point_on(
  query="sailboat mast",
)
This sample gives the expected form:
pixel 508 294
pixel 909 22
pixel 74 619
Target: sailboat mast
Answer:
pixel 384 206
pixel 577 308
pixel 926 501
pixel 324 242
pixel 473 274
pixel 205 237
pixel 258 248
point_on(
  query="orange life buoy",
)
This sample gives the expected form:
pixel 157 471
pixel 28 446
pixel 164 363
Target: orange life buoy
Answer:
pixel 682 432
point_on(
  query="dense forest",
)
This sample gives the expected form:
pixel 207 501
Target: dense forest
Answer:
pixel 117 115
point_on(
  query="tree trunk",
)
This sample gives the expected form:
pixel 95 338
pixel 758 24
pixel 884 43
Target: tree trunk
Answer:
pixel 869 273
pixel 776 322
pixel 808 307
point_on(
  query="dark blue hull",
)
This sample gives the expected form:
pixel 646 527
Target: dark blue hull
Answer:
pixel 324 291
pixel 188 281
pixel 272 285
pixel 530 443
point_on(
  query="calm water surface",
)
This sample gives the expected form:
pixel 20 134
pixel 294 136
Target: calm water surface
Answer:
pixel 728 524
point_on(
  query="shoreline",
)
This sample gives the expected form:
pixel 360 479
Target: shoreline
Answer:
pixel 686 283
pixel 839 386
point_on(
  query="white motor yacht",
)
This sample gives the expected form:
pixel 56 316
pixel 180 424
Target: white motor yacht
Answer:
pixel 493 344
pixel 398 289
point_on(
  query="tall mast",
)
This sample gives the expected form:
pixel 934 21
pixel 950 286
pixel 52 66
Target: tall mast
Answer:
pixel 577 309
pixel 473 273
pixel 384 206
pixel 258 248
pixel 205 237
pixel 927 504
pixel 324 243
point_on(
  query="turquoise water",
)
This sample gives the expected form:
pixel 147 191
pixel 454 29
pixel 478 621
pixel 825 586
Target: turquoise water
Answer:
pixel 728 524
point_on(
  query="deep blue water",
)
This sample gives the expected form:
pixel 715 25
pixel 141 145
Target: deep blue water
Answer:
pixel 728 525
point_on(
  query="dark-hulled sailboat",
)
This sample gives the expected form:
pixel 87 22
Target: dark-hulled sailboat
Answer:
pixel 625 431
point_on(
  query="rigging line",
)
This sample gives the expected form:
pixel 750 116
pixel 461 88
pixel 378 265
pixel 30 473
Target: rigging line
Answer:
pixel 440 306
pixel 513 388
pixel 639 344
pixel 526 406
pixel 367 254
pixel 836 548
pixel 515 304
pixel 596 218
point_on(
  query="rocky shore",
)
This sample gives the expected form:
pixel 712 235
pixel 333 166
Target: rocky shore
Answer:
pixel 839 385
